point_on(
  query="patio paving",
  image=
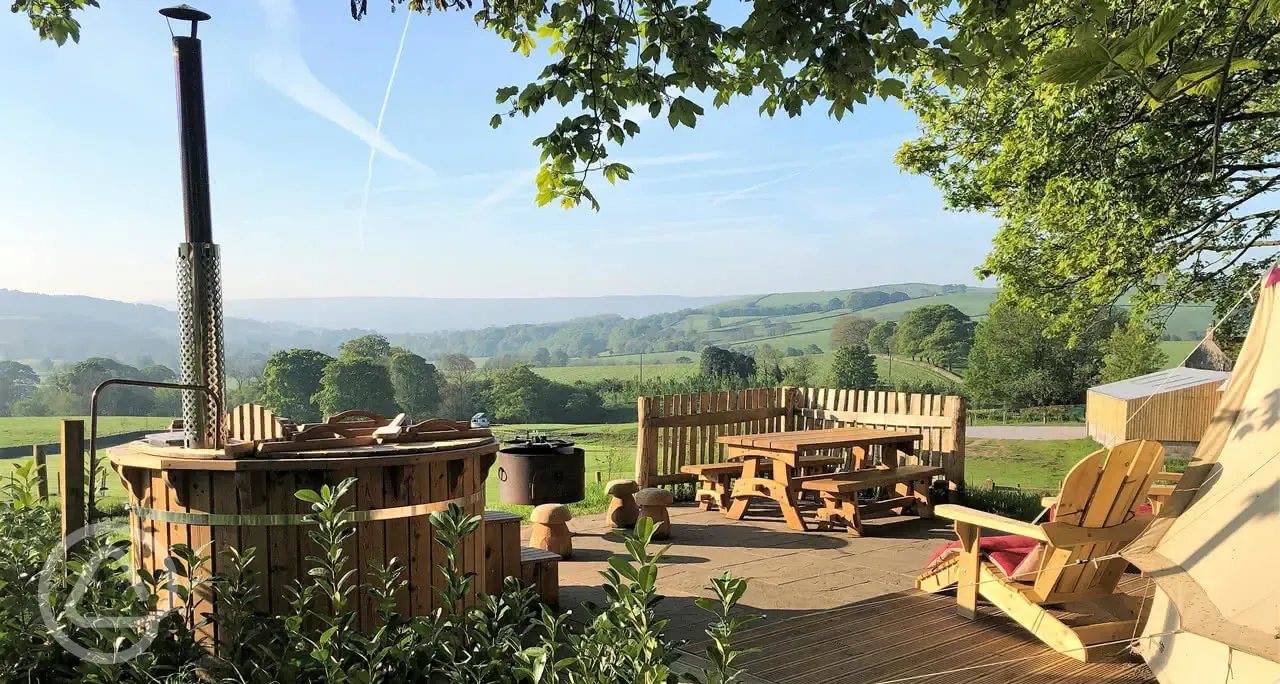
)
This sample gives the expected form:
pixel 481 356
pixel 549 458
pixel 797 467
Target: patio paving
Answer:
pixel 838 609
pixel 792 573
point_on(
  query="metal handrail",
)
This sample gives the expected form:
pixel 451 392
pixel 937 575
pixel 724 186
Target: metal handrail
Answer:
pixel 93 419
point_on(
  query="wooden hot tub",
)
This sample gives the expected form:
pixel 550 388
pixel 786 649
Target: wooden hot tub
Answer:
pixel 243 496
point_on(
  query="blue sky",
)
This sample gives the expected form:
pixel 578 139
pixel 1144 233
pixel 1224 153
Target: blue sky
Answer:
pixel 90 201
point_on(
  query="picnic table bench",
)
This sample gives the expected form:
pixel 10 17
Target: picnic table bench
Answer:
pixel 784 454
pixel 839 493
pixel 715 479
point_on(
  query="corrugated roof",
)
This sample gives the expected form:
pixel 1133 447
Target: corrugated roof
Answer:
pixel 1160 382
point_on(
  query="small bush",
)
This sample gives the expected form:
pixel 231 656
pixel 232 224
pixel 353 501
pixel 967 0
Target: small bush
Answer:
pixel 1009 503
pixel 505 637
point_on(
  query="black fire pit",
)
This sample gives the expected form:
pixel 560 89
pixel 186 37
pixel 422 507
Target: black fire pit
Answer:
pixel 538 470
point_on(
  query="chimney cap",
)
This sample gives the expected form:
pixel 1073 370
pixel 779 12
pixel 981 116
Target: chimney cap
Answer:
pixel 184 13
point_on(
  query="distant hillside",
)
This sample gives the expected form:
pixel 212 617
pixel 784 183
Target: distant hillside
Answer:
pixel 396 315
pixel 63 327
pixel 34 326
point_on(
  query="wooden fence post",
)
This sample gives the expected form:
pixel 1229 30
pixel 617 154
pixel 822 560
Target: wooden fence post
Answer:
pixel 73 511
pixel 955 408
pixel 37 455
pixel 646 442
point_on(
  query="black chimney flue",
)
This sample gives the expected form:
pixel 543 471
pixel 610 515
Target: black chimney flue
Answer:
pixel 200 350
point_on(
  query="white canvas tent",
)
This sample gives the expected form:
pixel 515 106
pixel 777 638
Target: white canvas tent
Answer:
pixel 1214 552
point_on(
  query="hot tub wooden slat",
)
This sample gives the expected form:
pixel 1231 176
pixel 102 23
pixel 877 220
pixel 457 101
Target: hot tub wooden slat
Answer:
pixel 282 540
pixel 200 500
pixel 373 539
pixel 223 490
pixel 420 543
pixel 396 493
pixel 439 492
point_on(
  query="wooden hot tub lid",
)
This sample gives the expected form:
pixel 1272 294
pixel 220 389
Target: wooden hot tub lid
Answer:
pixel 139 454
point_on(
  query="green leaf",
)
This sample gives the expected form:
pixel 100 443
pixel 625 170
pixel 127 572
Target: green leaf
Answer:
pixel 1158 34
pixel 495 121
pixel 308 495
pixel 624 568
pixel 890 87
pixel 1074 65
pixel 506 93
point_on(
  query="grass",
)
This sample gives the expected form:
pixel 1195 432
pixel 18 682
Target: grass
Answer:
pixel 1176 351
pixel 572 374
pixel 1026 463
pixel 610 451
pixel 45 430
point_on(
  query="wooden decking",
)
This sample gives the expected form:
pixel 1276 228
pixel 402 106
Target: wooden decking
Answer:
pixel 838 609
pixel 913 637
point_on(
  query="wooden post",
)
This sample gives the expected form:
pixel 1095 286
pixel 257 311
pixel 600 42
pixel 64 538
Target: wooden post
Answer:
pixel 37 455
pixel 988 484
pixel 72 479
pixel 955 409
pixel 646 442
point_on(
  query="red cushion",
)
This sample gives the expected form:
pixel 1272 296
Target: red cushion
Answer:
pixel 1006 551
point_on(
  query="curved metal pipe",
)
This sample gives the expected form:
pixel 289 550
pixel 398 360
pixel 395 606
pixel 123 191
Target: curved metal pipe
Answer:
pixel 93 421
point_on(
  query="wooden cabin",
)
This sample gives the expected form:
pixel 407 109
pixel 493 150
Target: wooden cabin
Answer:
pixel 1171 406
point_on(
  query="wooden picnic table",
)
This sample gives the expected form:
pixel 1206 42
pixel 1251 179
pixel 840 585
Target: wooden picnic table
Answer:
pixel 786 452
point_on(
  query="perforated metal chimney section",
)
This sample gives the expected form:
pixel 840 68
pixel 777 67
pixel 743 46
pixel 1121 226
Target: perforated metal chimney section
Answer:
pixel 202 358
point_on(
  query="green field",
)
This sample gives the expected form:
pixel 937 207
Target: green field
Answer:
pixel 821 296
pixel 1029 463
pixel 634 359
pixel 571 374
pixel 45 430
pixel 1177 351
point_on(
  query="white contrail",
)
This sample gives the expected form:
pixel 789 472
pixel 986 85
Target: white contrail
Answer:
pixel 373 150
pixel 281 66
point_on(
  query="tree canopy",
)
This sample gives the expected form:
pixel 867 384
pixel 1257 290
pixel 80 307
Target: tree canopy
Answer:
pixel 717 362
pixel 1016 361
pixel 291 380
pixel 1132 350
pixel 17 382
pixel 852 367
pixel 356 383
pixel 880 339
pixel 849 330
pixel 1124 146
pixel 416 385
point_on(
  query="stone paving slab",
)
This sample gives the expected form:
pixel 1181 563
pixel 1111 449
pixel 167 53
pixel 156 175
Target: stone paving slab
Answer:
pixel 792 573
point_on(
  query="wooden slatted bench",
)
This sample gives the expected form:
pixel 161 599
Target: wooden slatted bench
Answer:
pixel 541 570
pixel 505 557
pixel 839 493
pixel 715 479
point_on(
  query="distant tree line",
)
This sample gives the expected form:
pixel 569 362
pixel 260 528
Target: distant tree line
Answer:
pixel 856 301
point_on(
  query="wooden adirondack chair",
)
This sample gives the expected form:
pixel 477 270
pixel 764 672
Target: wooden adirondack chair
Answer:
pixel 1097 515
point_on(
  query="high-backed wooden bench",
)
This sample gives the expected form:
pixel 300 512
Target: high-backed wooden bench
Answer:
pixel 839 492
pixel 715 479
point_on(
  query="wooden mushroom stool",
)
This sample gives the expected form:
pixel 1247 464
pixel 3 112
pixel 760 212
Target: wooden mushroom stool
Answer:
pixel 653 504
pixel 550 531
pixel 622 503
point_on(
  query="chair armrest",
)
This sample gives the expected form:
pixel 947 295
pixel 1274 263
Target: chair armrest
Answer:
pixel 962 514
pixel 1048 501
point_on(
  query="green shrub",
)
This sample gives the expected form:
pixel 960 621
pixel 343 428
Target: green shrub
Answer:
pixel 505 637
pixel 1009 503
